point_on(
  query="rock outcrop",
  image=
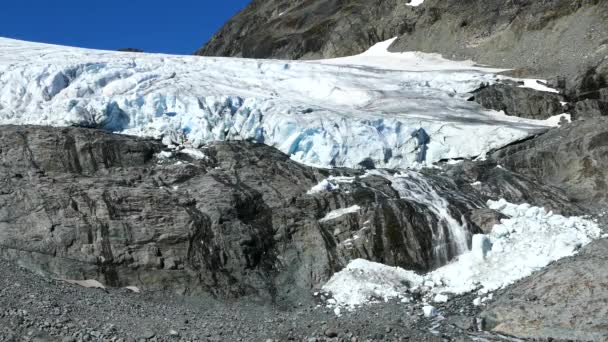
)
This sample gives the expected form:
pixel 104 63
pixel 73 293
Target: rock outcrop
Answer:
pixel 572 157
pixel 565 301
pixel 517 101
pixel 232 219
pixel 539 38
pixel 308 29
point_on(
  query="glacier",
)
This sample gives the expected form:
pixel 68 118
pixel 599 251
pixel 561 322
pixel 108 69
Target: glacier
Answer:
pixel 377 109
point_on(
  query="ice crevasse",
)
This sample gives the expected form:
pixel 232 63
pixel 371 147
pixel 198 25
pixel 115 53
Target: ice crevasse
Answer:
pixel 376 109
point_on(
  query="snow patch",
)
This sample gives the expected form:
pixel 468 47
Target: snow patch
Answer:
pixel 364 281
pixel 330 184
pixel 557 120
pixel 334 214
pixel 194 153
pixel 540 85
pixel 415 3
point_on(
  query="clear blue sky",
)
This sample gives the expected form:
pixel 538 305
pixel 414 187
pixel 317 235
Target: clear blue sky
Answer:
pixel 172 26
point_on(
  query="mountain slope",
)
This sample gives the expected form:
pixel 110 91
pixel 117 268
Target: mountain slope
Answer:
pixel 305 29
pixel 548 39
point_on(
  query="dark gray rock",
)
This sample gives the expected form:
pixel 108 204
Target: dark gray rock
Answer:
pixel 81 203
pixel 84 204
pixel 566 301
pixel 590 109
pixel 520 102
pixel 486 218
pixel 572 157
pixel 493 181
pixel 591 97
pixel 527 36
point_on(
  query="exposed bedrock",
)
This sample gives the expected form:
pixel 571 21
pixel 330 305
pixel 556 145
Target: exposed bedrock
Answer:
pixel 572 157
pixel 231 219
pixel 566 301
pixel 517 101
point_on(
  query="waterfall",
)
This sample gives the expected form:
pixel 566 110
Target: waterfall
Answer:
pixel 450 238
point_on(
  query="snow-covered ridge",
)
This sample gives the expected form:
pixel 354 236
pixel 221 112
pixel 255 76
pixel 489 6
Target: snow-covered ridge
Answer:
pixel 391 111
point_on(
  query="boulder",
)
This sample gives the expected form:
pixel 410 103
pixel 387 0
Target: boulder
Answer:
pixel 486 218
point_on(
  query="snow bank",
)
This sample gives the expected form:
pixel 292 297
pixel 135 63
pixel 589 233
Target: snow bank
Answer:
pixel 334 214
pixel 364 281
pixel 539 85
pixel 329 184
pixel 367 108
pixel 520 245
pixel 415 3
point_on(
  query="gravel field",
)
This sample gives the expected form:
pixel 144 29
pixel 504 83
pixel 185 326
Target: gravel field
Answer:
pixel 39 309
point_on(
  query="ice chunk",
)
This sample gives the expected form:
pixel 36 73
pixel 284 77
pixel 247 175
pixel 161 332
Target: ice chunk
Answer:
pixel 429 311
pixel 481 245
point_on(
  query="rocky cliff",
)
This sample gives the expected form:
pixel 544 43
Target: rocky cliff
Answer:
pixel 232 219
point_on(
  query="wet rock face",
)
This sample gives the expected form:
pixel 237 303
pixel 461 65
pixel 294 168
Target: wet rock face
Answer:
pixel 520 102
pixel 572 157
pixel 81 203
pixel 491 180
pixel 565 301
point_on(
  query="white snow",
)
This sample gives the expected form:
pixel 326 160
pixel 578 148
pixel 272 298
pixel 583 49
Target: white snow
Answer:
pixel 526 242
pixel 363 281
pixel 539 85
pixel 329 184
pixel 333 113
pixel 555 120
pixel 415 3
pixel 334 214
pixel 441 298
pixel 429 311
pixel 194 153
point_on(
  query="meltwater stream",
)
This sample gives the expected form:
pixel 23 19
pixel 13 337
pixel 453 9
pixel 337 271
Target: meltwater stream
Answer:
pixel 450 238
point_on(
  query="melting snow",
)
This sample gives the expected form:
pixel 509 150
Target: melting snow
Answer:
pixel 520 245
pixel 415 3
pixel 539 85
pixel 334 214
pixel 363 281
pixel 330 184
pixel 194 153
